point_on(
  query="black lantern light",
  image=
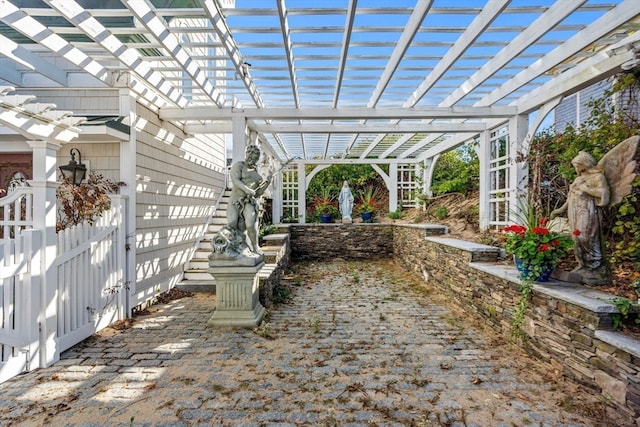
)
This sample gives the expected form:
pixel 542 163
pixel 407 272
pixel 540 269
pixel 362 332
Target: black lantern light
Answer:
pixel 74 171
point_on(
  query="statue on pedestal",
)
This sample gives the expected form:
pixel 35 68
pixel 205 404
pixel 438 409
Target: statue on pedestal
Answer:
pixel 239 238
pixel 346 202
pixel 596 186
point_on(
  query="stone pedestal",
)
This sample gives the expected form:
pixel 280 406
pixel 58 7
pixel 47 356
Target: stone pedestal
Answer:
pixel 237 294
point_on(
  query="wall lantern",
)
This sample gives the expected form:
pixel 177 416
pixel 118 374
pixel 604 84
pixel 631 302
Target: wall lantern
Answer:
pixel 74 171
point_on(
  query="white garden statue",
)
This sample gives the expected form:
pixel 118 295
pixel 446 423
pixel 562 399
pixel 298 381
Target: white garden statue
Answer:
pixel 346 202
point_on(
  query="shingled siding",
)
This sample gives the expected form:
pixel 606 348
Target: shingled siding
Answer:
pixel 568 325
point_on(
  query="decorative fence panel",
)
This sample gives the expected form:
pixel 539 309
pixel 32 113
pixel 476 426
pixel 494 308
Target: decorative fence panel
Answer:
pixel 19 296
pixel 90 277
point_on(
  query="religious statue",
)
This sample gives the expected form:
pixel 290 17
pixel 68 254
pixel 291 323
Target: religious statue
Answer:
pixel 596 186
pixel 240 236
pixel 346 202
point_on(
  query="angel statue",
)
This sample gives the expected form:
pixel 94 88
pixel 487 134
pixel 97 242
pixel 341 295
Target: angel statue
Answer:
pixel 596 186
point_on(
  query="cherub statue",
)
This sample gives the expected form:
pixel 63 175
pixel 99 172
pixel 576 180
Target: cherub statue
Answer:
pixel 596 186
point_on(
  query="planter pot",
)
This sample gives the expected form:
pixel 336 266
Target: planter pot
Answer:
pixel 523 268
pixel 366 216
pixel 325 218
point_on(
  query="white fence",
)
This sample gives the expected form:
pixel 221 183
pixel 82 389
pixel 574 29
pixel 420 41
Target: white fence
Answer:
pixel 90 277
pixel 87 282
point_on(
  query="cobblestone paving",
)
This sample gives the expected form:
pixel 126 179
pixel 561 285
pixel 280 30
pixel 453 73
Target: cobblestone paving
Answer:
pixel 358 344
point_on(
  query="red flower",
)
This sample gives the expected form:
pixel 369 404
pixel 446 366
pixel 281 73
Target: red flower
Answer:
pixel 543 222
pixel 540 230
pixel 555 243
pixel 577 232
pixel 543 247
pixel 515 228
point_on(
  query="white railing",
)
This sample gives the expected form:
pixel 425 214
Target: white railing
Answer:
pixel 90 273
pixel 16 212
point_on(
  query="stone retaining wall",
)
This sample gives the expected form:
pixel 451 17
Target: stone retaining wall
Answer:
pixel 568 325
pixel 350 241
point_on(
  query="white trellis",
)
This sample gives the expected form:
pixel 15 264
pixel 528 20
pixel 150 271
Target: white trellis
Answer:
pixel 407 185
pixel 290 208
pixel 499 176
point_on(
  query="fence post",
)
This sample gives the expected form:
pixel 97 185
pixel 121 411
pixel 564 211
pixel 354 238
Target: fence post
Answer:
pixel 44 203
pixel 31 303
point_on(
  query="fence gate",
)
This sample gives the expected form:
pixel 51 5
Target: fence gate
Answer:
pixel 19 303
pixel 90 270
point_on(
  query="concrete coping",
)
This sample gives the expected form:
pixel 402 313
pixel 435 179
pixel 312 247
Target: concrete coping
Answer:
pixel 463 244
pixel 275 237
pixel 621 341
pixel 587 298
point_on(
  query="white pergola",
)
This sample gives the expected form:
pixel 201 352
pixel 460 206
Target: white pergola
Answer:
pixel 337 81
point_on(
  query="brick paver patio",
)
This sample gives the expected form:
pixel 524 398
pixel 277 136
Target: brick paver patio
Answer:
pixel 358 344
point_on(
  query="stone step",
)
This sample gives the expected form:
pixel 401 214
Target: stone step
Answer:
pixel 199 264
pixel 197 275
pixel 205 286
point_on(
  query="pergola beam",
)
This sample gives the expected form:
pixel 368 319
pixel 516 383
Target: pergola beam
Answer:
pixel 224 34
pixel 479 24
pixel 599 28
pixel 77 15
pixel 33 62
pixel 156 25
pixel 372 128
pixel 203 113
pixel 346 40
pixel 413 25
pixel 225 127
pixel 288 49
pixel 554 15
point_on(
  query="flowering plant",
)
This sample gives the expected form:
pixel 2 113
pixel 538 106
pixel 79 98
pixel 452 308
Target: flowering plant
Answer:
pixel 537 247
pixel 367 201
pixel 323 204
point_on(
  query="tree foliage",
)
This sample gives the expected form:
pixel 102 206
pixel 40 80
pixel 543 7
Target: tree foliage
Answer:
pixel 329 182
pixel 456 171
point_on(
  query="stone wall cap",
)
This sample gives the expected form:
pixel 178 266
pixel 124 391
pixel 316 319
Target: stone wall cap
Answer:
pixel 587 298
pixel 619 340
pixel 276 236
pixel 463 244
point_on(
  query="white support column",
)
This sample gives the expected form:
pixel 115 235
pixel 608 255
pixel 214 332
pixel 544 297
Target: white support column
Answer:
pixel 483 150
pixel 427 176
pixel 302 194
pixel 239 137
pixel 44 204
pixel 519 168
pixel 393 187
pixel 128 161
pixel 276 198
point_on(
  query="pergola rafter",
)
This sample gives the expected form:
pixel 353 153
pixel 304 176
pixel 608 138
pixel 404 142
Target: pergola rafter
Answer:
pixel 408 55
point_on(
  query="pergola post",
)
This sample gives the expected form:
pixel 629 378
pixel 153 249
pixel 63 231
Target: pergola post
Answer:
pixel 302 194
pixel 44 185
pixel 239 137
pixel 393 187
pixel 483 150
pixel 427 174
pixel 519 168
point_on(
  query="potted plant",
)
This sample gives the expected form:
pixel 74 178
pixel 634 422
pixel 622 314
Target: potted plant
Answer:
pixel 367 204
pixel 536 249
pixel 325 207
